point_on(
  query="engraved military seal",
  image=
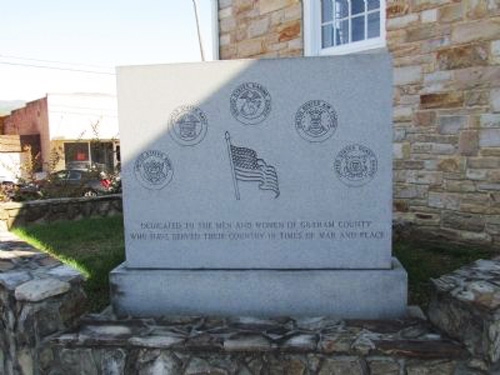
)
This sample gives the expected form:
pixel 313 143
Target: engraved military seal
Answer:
pixel 356 165
pixel 153 169
pixel 250 103
pixel 188 125
pixel 316 121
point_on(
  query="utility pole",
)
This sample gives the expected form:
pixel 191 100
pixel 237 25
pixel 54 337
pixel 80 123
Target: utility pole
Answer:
pixel 195 6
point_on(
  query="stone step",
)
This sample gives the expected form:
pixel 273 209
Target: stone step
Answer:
pixel 251 346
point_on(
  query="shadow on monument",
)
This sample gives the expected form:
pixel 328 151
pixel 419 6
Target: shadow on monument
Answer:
pixel 258 188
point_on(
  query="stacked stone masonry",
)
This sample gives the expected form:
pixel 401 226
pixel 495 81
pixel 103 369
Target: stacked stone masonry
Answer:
pixel 50 210
pixel 44 331
pixel 39 297
pixel 446 103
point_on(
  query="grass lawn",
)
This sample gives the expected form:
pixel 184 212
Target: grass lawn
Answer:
pixel 96 246
pixel 93 246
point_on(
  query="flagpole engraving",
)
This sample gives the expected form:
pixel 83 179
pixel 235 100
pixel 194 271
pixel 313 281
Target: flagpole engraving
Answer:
pixel 233 173
pixel 245 166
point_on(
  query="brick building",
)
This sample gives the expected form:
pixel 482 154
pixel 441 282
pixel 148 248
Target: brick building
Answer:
pixel 446 57
pixel 81 128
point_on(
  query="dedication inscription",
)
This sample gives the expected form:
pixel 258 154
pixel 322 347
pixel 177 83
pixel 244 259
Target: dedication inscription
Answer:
pixel 309 187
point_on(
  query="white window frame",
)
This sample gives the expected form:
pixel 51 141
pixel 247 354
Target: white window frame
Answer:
pixel 312 33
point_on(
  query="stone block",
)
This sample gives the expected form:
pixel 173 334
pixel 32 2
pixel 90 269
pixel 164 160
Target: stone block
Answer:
pixel 38 290
pixel 450 165
pixel 369 294
pixel 293 12
pixel 489 138
pixel 495 52
pixel 401 150
pixel 483 162
pixel 402 113
pixel 397 9
pixel 424 118
pixel 476 174
pixel 407 74
pixel 269 6
pixel 452 124
pixel 468 143
pixel 463 221
pixel 410 191
pixel 459 186
pixel 289 31
pixel 475 98
pixel 486 29
pixel 444 200
pixel 425 178
pixel 476 9
pixel 443 100
pixel 258 27
pixel 402 21
pixel 429 15
pixel 418 5
pixel 227 25
pixel 476 77
pixel 225 12
pixel 433 148
pixel 466 305
pixel 451 13
pixel 438 77
pixel 495 99
pixel 490 120
pixel 422 32
pixel 463 57
pixel 399 135
pixel 250 47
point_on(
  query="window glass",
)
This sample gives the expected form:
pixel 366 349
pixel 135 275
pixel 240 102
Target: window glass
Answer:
pixel 373 25
pixel 74 175
pixel 357 6
pixel 358 28
pixel 373 4
pixel 326 10
pixel 341 9
pixel 342 32
pixel 76 152
pixel 327 36
pixel 344 25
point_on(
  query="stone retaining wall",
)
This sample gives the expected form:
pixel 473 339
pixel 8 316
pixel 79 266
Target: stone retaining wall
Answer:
pixel 39 296
pixel 43 332
pixel 49 210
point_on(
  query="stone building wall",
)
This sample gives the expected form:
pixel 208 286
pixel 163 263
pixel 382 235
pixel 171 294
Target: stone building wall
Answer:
pixel 446 103
pixel 250 29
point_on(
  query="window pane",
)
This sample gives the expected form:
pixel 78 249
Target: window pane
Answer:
pixel 373 25
pixel 341 9
pixel 357 6
pixel 373 4
pixel 358 28
pixel 76 152
pixel 327 36
pixel 342 34
pixel 326 10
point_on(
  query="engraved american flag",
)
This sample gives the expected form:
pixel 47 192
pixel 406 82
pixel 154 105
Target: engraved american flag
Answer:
pixel 248 167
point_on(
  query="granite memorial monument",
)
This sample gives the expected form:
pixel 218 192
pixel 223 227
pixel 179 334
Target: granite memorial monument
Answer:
pixel 258 188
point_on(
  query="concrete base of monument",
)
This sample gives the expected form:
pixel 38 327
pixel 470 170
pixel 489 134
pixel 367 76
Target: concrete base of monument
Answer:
pixel 363 294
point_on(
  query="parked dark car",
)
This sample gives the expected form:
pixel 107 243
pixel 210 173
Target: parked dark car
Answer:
pixel 74 183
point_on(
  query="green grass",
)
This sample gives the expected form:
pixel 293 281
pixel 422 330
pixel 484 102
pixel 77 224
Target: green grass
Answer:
pixel 424 261
pixel 93 246
pixel 96 246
